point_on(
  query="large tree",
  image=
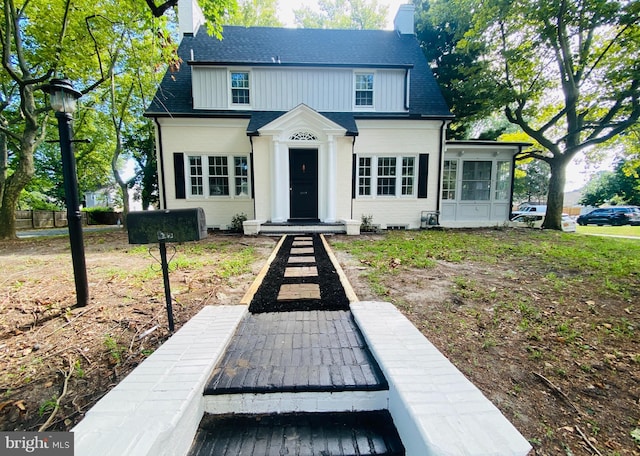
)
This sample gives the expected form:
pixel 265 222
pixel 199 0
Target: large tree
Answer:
pixel 565 71
pixel 343 14
pixel 83 40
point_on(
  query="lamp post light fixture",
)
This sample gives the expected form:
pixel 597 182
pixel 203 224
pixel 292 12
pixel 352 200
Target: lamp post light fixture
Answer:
pixel 63 98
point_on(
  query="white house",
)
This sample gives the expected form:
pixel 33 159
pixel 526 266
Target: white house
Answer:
pixel 315 126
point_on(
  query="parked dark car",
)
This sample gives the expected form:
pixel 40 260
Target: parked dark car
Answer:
pixel 617 215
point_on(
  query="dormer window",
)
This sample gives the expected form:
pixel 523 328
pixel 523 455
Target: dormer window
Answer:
pixel 364 90
pixel 240 88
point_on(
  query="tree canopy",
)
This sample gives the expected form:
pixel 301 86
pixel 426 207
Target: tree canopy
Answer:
pixel 124 43
pixel 565 72
pixel 343 14
pixel 620 186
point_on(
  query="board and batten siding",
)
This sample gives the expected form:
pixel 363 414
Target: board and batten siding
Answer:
pixel 282 89
pixel 210 88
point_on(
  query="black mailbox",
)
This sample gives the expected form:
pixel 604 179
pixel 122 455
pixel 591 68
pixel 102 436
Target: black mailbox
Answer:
pixel 176 225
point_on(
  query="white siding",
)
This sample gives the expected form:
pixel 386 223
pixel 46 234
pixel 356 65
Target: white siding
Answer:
pixel 492 212
pixel 205 136
pixel 210 88
pixel 399 138
pixel 282 89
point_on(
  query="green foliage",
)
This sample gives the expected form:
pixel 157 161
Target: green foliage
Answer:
pixel 532 184
pixel 440 26
pixel 595 256
pixel 97 209
pixel 236 222
pixel 123 45
pixel 620 186
pixel 36 201
pixel 343 14
pixel 114 349
pixel 566 73
pixel 366 223
pixel 237 263
pixel 140 145
pixel 255 13
pixel 48 406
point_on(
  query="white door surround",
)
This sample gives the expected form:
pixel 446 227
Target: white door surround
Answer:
pixel 303 128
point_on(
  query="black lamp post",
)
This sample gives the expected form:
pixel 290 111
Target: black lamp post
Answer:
pixel 63 99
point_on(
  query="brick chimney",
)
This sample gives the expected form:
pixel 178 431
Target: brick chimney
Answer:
pixel 403 22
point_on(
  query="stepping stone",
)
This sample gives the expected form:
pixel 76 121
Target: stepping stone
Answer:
pixel 301 250
pixel 299 291
pixel 299 259
pixel 302 244
pixel 301 271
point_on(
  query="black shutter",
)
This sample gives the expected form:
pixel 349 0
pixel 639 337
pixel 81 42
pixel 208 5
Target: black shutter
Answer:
pixel 354 171
pixel 423 175
pixel 178 167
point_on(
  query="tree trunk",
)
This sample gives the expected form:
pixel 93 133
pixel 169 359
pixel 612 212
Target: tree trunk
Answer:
pixel 8 217
pixel 555 197
pixel 14 185
pixel 125 203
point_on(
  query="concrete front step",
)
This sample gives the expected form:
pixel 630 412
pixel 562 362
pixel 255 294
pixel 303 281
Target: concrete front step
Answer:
pixel 308 434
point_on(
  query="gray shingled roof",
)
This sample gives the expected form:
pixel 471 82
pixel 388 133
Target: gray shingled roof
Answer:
pixel 312 47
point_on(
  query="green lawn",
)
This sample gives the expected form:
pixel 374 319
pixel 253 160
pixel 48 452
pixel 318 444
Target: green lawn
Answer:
pixel 626 230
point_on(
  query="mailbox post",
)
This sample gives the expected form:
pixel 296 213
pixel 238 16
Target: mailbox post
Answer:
pixel 161 227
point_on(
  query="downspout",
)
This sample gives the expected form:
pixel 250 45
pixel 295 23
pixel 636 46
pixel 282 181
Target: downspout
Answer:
pixel 353 149
pixel 513 179
pixel 407 88
pixel 440 164
pixel 161 163
pixel 253 187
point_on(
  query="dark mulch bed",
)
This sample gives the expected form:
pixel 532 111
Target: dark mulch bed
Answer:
pixel 332 295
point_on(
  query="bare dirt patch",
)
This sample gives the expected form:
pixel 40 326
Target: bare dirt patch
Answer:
pixel 55 355
pixel 557 354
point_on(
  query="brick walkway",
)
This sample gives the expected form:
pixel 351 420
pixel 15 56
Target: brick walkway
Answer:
pixel 297 352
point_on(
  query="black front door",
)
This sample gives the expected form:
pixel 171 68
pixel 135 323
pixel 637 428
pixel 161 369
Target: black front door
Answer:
pixel 303 184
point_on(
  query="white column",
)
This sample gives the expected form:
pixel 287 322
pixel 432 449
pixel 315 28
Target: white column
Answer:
pixel 279 184
pixel 331 181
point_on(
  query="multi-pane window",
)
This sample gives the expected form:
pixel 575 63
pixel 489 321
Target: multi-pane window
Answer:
pixel 241 169
pixel 476 180
pixel 386 176
pixel 449 176
pixel 503 174
pixel 364 89
pixel 195 174
pixel 364 176
pixel 240 87
pixel 219 175
pixel 408 172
